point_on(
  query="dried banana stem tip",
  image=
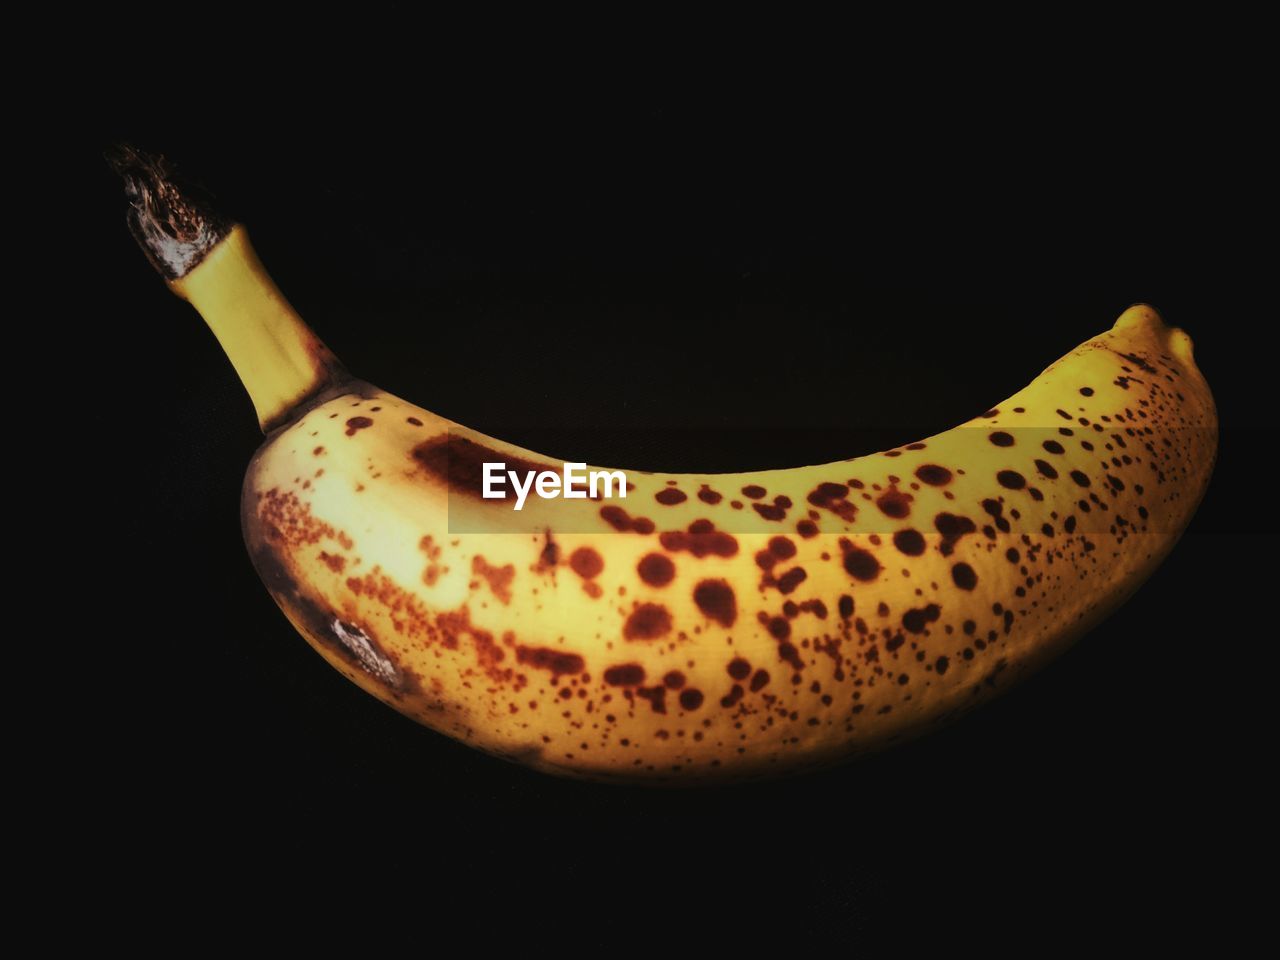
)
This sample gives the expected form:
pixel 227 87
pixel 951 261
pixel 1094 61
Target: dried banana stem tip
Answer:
pixel 173 225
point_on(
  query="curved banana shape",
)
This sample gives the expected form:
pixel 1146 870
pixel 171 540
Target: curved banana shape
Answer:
pixel 706 626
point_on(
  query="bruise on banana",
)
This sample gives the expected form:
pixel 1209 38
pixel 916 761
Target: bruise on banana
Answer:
pixel 458 462
pixel 279 525
pixel 275 525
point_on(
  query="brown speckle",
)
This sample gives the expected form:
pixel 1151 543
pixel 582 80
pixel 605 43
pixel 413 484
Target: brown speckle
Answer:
pixel 915 621
pixel 648 621
pixel 909 542
pixel 707 495
pixel 834 497
pixel 702 539
pixel 933 475
pixel 624 675
pixel 498 578
pixel 586 563
pixel 777 511
pixel 545 658
pixel 858 563
pixel 788 582
pixel 782 548
pixel 691 699
pixel 334 562
pixel 739 669
pixel 894 503
pixel 623 522
pixel 656 570
pixel 715 598
pixel 1011 479
pixel 963 576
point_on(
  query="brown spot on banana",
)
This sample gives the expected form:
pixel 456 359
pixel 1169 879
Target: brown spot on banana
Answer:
pixel 716 599
pixel 649 621
pixel 498 578
pixel 458 462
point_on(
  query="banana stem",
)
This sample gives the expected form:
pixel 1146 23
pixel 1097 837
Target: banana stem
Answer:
pixel 280 361
pixel 211 264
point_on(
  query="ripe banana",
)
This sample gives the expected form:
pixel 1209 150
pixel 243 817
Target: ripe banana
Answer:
pixel 707 626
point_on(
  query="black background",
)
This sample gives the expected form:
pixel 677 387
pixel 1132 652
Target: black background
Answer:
pixel 735 282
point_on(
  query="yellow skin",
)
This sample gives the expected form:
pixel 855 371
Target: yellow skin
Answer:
pixel 685 646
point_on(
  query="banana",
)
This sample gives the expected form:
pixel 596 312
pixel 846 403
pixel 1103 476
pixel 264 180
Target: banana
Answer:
pixel 704 626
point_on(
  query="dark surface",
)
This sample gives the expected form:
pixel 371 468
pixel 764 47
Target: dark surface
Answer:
pixel 691 286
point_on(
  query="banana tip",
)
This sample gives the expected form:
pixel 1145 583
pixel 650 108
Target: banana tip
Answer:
pixel 1180 345
pixel 1140 315
pixel 1145 315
